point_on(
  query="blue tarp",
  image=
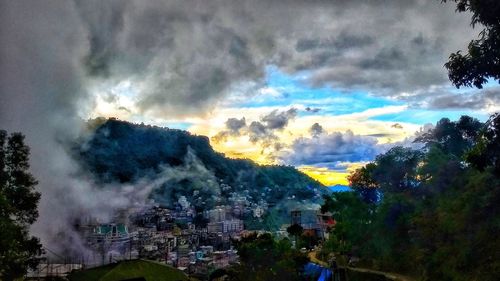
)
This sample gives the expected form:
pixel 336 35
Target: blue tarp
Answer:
pixel 317 272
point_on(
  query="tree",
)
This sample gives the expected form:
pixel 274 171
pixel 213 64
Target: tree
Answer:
pixel 482 60
pixel 452 137
pixel 361 180
pixel 296 230
pixel 396 170
pixel 353 217
pixel 486 153
pixel 18 208
pixel 263 258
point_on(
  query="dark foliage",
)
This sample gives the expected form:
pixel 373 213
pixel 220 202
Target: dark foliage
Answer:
pixel 18 208
pixel 263 258
pixel 361 180
pixel 486 153
pixel 482 60
pixel 453 138
pixel 295 229
pixel 438 215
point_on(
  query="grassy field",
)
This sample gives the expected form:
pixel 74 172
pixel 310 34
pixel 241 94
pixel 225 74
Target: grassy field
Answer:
pixel 134 269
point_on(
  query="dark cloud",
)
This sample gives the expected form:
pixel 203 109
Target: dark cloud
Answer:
pixel 382 135
pixel 313 109
pixel 233 128
pixel 394 48
pixel 389 69
pixel 328 150
pixel 397 126
pixel 479 100
pixel 258 131
pixel 316 130
pixel 124 109
pixel 220 137
pixel 110 98
pixel 278 146
pixel 234 125
pixel 278 120
pixel 183 58
pixel 262 131
pixel 274 121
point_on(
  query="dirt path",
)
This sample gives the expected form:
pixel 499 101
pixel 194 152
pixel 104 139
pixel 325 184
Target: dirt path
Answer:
pixel 314 259
pixel 388 275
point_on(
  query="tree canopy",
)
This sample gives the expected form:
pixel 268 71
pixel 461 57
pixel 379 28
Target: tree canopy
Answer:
pixel 18 208
pixel 437 215
pixel 264 258
pixel 486 153
pixel 482 59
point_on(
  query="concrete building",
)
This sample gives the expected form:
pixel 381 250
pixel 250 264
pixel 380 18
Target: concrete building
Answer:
pixel 217 215
pixel 183 250
pixel 215 227
pixel 227 226
pixel 230 226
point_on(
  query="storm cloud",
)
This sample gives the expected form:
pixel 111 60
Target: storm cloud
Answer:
pixel 234 125
pixel 278 120
pixel 328 150
pixel 233 128
pixel 183 58
pixel 258 131
pixel 487 99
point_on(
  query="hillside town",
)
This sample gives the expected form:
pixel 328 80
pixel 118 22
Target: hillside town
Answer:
pixel 195 243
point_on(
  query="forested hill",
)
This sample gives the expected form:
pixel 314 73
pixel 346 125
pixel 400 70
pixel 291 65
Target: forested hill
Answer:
pixel 119 151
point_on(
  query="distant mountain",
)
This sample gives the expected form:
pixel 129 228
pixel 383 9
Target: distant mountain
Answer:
pixel 119 151
pixel 339 188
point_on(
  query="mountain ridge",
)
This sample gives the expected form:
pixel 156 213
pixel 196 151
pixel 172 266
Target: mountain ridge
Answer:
pixel 123 152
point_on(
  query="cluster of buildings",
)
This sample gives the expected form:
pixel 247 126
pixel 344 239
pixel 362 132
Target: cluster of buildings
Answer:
pixel 196 243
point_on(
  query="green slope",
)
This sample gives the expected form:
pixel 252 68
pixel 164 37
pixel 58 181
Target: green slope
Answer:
pixel 150 271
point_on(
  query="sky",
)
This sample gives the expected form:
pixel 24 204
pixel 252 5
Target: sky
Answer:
pixel 324 86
